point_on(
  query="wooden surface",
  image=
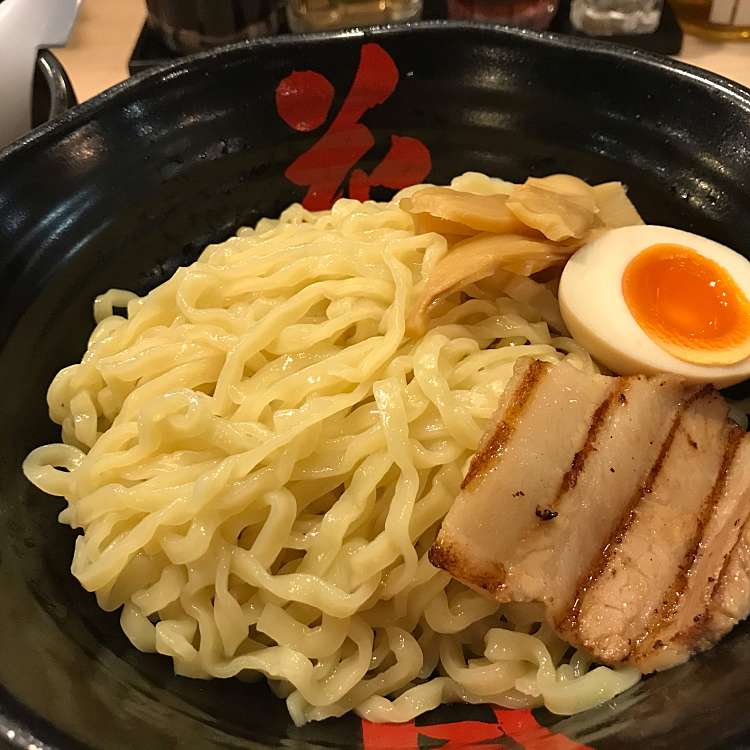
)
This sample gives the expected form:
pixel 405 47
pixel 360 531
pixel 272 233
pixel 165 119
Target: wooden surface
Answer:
pixel 96 56
pixel 104 35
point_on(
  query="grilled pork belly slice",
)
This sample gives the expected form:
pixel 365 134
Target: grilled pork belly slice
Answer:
pixel 683 623
pixel 541 421
pixel 730 600
pixel 619 503
pixel 642 559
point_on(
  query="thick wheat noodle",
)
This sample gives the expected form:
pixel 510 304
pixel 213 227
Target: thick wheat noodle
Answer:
pixel 259 457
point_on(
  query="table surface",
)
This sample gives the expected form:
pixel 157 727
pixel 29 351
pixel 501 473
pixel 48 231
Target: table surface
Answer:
pixel 97 53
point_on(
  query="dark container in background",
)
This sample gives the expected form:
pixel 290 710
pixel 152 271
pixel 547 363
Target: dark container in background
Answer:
pixel 193 25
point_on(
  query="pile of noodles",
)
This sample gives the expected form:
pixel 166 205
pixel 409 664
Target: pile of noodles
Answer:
pixel 260 453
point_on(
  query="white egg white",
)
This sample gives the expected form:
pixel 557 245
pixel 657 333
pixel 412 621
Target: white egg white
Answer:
pixel 595 311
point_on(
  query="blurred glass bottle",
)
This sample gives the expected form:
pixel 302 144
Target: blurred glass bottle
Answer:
pixel 616 17
pixel 324 15
pixel 192 25
pixel 528 14
pixel 714 19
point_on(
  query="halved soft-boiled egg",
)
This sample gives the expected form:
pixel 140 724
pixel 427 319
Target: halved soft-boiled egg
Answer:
pixel 647 299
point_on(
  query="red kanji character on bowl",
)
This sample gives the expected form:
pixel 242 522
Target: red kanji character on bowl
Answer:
pixel 303 100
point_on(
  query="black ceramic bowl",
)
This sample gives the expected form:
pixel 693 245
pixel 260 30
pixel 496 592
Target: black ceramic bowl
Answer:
pixel 126 187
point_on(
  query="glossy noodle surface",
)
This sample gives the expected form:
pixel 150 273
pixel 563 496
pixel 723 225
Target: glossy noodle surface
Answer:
pixel 259 455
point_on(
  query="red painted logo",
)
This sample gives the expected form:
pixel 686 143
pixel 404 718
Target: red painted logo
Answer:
pixel 303 101
pixel 511 729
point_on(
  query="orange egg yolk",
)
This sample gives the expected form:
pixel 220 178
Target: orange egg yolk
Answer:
pixel 689 305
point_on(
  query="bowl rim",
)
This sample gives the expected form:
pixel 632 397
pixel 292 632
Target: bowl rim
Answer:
pixel 19 726
pixel 83 113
